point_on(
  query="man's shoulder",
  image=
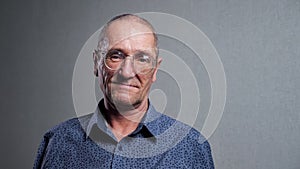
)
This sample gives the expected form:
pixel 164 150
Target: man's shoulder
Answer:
pixel 171 124
pixel 71 127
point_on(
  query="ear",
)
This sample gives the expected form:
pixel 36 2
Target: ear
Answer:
pixel 95 59
pixel 159 60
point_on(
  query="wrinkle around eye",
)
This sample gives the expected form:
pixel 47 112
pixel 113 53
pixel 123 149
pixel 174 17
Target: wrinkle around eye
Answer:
pixel 116 58
pixel 143 58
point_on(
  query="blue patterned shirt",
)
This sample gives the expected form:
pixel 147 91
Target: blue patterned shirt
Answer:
pixel 158 142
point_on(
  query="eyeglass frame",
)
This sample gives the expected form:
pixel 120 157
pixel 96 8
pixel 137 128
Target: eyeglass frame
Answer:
pixel 103 55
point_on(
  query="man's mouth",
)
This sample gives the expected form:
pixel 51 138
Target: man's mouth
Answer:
pixel 125 84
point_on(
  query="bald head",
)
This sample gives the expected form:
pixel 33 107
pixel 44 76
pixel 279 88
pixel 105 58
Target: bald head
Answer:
pixel 126 25
pixel 133 18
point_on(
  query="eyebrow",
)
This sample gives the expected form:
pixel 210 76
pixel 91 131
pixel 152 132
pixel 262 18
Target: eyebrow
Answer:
pixel 147 52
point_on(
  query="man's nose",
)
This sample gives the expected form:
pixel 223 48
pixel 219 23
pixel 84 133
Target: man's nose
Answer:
pixel 126 69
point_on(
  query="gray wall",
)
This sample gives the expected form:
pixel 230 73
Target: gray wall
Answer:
pixel 258 43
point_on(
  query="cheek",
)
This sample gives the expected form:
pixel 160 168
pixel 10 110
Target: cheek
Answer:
pixel 105 77
pixel 146 82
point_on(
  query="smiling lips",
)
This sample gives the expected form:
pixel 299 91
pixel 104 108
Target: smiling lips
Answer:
pixel 126 85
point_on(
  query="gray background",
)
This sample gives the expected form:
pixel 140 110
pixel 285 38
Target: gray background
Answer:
pixel 258 42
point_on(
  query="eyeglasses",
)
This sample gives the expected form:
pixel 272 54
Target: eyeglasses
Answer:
pixel 143 63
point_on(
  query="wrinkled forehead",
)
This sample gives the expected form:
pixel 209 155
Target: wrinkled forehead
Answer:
pixel 130 34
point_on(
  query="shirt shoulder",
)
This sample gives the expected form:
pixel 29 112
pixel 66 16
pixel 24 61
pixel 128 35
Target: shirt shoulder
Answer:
pixel 74 127
pixel 165 122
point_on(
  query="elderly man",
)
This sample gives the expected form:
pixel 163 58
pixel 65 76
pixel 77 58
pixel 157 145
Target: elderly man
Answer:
pixel 125 131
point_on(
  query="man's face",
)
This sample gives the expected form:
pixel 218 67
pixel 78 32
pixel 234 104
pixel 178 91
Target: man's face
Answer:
pixel 125 87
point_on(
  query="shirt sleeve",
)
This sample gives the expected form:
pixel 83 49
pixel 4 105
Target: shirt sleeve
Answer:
pixel 204 157
pixel 208 156
pixel 41 152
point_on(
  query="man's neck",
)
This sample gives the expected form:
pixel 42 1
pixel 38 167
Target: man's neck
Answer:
pixel 124 122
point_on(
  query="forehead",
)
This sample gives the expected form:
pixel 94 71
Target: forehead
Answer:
pixel 130 34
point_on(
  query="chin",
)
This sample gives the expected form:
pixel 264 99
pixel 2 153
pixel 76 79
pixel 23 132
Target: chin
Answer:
pixel 125 102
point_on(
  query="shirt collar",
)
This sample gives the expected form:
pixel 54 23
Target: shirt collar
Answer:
pixel 149 121
pixel 97 119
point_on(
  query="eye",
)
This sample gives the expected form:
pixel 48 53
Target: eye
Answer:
pixel 115 56
pixel 143 59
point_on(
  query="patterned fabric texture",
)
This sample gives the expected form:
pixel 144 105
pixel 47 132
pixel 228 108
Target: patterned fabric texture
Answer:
pixel 158 142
